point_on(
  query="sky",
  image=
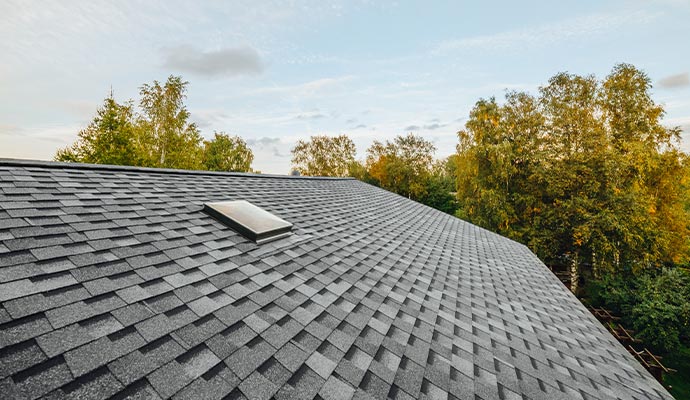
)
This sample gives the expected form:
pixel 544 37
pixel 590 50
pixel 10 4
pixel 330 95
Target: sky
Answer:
pixel 274 72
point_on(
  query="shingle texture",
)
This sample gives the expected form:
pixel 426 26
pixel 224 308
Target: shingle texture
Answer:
pixel 114 282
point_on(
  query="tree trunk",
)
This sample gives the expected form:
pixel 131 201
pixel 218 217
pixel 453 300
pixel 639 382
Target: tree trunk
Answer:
pixel 616 259
pixel 574 273
pixel 595 266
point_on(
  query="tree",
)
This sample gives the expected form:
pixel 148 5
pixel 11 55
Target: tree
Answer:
pixel 167 138
pixel 575 181
pixel 403 165
pixel 360 172
pixel 661 312
pixel 108 139
pixel 655 303
pixel 498 154
pixel 440 186
pixel 324 156
pixel 227 153
pixel 650 176
pixel 584 174
pixel 160 135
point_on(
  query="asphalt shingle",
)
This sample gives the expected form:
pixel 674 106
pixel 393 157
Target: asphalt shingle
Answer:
pixel 114 282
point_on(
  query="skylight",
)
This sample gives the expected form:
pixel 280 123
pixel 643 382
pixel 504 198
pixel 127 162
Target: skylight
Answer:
pixel 251 221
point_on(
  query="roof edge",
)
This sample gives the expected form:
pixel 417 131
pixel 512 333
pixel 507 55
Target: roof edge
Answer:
pixel 16 162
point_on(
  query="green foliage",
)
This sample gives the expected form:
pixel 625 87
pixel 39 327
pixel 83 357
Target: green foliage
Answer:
pixel 678 381
pixel 403 165
pixel 440 186
pixel 360 172
pixel 655 303
pixel 168 139
pixel 324 156
pixel 160 135
pixel 227 153
pixel 109 138
pixel 614 292
pixel 585 172
pixel 661 315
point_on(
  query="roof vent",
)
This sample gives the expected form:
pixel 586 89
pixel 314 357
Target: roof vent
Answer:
pixel 251 221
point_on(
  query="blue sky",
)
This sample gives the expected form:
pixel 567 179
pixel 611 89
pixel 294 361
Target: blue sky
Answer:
pixel 274 72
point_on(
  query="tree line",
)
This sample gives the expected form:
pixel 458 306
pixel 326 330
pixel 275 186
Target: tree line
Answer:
pixel 404 165
pixel 158 134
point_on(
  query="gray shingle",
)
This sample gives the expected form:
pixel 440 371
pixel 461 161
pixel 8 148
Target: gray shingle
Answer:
pixel 198 361
pixel 215 384
pixel 100 384
pixel 20 288
pixel 19 357
pixel 22 329
pixel 118 275
pixel 257 387
pixel 112 282
pixel 17 272
pixel 44 301
pixel 248 358
pixel 43 378
pixel 10 390
pixel 132 314
pixel 98 353
pixel 200 330
pixel 162 324
pixel 291 357
pixel 164 302
pixel 305 383
pixel 45 253
pixel 140 363
pixel 16 258
pixel 97 268
pixel 275 372
pixel 336 389
pixel 69 337
pixel 185 278
pixel 204 305
pixel 169 379
pixel 321 365
pixel 375 386
pixel 84 309
pixel 58 341
pixel 132 294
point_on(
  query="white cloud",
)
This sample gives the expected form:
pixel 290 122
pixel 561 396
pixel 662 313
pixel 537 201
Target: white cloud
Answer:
pixel 434 126
pixel 208 118
pixel 675 81
pixel 310 115
pixel 227 62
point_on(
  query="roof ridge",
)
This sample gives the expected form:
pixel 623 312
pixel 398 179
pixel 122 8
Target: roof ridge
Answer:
pixel 15 162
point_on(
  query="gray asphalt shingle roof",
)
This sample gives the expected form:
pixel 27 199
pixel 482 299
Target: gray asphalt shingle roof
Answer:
pixel 114 282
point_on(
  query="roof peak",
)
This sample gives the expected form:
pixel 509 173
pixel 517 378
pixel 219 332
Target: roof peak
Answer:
pixel 15 162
